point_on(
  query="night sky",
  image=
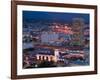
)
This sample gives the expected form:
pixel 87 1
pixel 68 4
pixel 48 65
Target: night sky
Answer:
pixel 54 16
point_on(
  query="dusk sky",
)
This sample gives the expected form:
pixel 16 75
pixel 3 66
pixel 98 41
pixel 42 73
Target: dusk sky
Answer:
pixel 54 16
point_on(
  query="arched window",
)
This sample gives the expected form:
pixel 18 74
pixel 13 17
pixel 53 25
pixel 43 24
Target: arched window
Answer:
pixel 39 57
pixel 47 58
pixel 43 57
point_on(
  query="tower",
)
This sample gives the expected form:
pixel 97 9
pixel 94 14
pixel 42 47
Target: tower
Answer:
pixel 56 54
pixel 77 27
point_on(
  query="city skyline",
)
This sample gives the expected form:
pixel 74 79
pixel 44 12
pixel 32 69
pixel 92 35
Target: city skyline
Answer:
pixel 55 39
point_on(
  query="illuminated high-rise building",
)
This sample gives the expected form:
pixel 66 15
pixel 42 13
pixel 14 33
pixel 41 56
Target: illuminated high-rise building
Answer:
pixel 77 27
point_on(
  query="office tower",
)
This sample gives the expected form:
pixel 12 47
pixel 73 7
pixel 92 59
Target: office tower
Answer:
pixel 77 27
